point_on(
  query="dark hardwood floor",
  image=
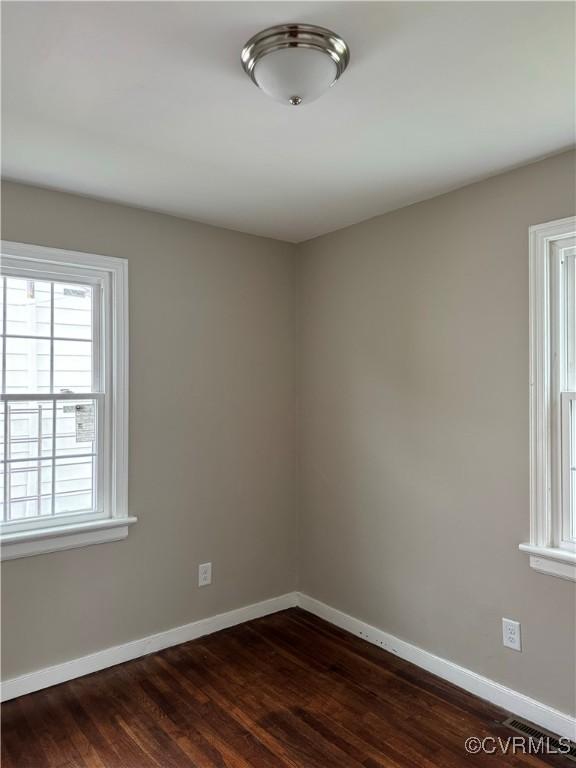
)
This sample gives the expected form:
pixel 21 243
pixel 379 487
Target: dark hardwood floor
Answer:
pixel 285 690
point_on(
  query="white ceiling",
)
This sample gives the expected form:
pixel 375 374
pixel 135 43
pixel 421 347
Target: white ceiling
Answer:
pixel 145 103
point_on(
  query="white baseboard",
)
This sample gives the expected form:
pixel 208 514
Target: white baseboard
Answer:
pixel 518 703
pixel 524 706
pixel 60 673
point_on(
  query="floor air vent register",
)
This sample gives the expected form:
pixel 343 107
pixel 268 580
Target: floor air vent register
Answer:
pixel 538 735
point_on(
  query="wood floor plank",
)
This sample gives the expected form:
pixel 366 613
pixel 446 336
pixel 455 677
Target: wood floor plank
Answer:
pixel 285 691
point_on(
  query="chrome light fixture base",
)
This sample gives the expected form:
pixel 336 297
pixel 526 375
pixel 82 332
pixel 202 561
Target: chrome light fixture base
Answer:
pixel 285 36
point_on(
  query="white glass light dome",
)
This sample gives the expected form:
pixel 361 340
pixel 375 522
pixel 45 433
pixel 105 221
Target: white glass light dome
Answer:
pixel 295 63
pixel 295 75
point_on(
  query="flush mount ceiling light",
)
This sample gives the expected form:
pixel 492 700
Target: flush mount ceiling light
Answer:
pixel 295 63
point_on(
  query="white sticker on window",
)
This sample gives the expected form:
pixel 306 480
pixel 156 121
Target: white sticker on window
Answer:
pixel 80 292
pixel 84 423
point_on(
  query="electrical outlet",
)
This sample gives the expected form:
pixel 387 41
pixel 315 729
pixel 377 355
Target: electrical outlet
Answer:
pixel 511 636
pixel 204 574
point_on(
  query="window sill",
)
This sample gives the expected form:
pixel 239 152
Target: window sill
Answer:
pixel 39 542
pixel 550 560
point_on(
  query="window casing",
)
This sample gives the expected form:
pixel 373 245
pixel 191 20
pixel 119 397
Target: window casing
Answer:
pixel 552 546
pixel 64 399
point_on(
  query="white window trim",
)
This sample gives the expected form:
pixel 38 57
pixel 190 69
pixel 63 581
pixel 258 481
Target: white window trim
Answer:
pixel 114 527
pixel 545 554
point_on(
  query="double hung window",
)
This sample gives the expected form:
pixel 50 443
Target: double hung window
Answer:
pixel 63 417
pixel 552 546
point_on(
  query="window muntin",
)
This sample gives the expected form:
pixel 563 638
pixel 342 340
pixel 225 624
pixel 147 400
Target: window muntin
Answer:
pixel 53 402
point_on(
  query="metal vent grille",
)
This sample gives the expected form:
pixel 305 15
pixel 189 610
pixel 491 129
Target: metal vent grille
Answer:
pixel 538 733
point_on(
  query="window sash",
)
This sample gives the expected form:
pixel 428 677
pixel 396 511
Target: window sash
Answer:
pixel 102 470
pixel 99 484
pixel 567 522
pixel 12 267
pixel 568 262
pixel 563 386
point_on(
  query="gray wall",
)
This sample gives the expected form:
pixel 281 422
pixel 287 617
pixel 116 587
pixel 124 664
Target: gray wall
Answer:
pixel 415 429
pixel 413 383
pixel 212 434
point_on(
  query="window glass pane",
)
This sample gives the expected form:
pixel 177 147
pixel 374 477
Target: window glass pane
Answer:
pixel 27 365
pixel 571 522
pixel 2 406
pixel 74 483
pixel 29 484
pixel 2 465
pixel 29 429
pixel 27 307
pixel 2 284
pixel 72 366
pixel 72 311
pixel 569 272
